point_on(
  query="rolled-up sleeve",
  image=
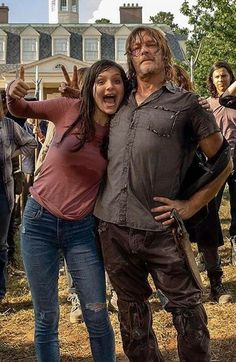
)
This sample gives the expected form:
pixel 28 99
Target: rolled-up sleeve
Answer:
pixel 25 142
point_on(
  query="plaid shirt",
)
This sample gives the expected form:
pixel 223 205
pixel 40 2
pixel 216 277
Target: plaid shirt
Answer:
pixel 12 138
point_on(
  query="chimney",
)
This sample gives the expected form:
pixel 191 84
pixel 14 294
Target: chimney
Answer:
pixel 4 14
pixel 131 14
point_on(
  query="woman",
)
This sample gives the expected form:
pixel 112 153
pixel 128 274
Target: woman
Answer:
pixel 13 141
pixel 58 216
pixel 208 239
pixel 220 77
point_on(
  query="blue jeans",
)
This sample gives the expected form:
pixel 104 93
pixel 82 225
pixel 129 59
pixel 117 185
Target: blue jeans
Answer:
pixel 44 236
pixel 5 217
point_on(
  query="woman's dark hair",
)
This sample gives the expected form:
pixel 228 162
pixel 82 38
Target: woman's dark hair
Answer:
pixel 87 105
pixel 220 64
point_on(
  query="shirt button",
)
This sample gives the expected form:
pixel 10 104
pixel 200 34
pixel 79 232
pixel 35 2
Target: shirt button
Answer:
pixel 124 188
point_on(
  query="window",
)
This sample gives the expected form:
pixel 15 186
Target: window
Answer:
pixel 2 49
pixel 91 49
pixel 74 6
pixel 53 5
pixel 60 46
pixel 29 49
pixel 120 49
pixel 64 5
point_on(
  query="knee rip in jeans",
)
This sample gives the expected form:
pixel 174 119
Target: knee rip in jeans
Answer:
pixel 95 307
pixel 48 316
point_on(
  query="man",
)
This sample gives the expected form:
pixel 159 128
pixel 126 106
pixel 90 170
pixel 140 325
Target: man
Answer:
pixel 152 142
pixel 13 142
pixel 219 79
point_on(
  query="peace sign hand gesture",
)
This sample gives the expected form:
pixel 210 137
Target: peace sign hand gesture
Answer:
pixel 19 89
pixel 70 87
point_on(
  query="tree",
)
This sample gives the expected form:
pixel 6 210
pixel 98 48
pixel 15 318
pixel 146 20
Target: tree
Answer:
pixel 168 18
pixel 102 21
pixel 213 29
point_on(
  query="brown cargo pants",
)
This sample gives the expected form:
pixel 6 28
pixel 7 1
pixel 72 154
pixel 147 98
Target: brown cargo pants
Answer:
pixel 129 256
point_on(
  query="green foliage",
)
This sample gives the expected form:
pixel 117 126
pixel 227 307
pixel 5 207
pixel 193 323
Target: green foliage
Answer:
pixel 214 30
pixel 102 21
pixel 168 18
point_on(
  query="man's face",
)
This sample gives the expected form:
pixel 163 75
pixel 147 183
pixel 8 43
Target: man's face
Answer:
pixel 221 80
pixel 146 56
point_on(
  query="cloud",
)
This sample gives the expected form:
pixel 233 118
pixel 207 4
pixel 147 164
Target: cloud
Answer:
pixel 109 9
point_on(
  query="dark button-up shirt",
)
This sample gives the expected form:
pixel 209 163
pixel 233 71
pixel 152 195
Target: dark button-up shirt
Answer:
pixel 151 146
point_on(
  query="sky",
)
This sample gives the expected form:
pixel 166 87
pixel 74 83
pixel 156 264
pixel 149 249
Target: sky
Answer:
pixel 28 11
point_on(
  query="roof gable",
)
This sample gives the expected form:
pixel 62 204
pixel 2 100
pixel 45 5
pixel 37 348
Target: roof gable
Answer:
pixel 91 31
pixel 60 31
pixel 29 31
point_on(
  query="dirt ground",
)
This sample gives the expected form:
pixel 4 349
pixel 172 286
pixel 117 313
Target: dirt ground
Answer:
pixel 16 321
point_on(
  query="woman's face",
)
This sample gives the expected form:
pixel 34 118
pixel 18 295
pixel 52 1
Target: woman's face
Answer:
pixel 221 80
pixel 108 91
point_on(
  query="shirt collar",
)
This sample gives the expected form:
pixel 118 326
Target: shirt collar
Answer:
pixel 167 86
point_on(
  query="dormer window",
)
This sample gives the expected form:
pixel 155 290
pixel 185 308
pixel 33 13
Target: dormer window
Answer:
pixel 29 49
pixel 3 47
pixel 29 45
pixel 120 49
pixel 91 49
pixel 91 44
pixel 120 41
pixel 60 46
pixel 61 41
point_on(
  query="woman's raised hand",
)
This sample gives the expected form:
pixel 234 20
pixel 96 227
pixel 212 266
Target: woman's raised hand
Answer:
pixel 70 87
pixel 19 89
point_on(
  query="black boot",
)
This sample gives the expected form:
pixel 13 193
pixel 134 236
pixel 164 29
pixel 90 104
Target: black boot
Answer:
pixel 219 293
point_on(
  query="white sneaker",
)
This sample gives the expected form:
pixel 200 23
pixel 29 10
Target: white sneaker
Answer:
pixel 112 302
pixel 233 249
pixel 76 315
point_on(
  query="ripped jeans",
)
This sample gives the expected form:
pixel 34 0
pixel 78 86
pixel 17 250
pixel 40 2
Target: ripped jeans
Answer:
pixel 44 236
pixel 130 255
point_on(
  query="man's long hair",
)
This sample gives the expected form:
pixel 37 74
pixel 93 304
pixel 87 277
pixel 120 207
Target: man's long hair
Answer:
pixel 220 64
pixel 162 43
pixel 85 119
pixel 181 78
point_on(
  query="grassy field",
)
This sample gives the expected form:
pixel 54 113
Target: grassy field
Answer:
pixel 16 321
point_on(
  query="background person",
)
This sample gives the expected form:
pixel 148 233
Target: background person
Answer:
pixel 13 142
pixel 207 233
pixel 219 79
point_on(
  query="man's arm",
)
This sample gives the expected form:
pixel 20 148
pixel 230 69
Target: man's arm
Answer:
pixel 228 98
pixel 187 208
pixel 25 142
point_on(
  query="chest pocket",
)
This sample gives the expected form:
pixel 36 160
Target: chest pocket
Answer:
pixel 162 121
pixel 6 141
